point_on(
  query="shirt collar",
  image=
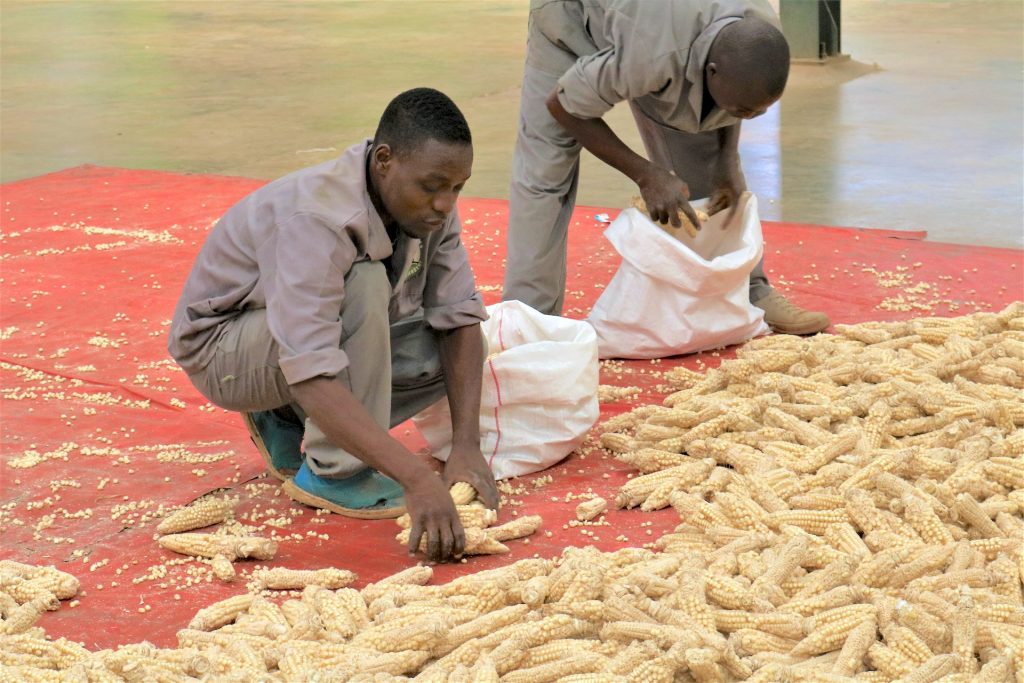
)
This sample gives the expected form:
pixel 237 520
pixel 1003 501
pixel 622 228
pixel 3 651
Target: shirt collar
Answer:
pixel 379 244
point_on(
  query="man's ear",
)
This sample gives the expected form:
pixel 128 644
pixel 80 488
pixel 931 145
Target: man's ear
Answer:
pixel 711 69
pixel 382 157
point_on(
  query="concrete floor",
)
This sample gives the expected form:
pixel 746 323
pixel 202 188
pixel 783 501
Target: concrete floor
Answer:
pixel 921 130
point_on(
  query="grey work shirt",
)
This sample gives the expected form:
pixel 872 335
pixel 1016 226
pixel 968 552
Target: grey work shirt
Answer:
pixel 288 246
pixel 651 52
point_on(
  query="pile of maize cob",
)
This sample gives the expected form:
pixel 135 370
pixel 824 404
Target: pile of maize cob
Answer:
pixel 26 591
pixel 850 510
pixel 865 485
pixel 221 548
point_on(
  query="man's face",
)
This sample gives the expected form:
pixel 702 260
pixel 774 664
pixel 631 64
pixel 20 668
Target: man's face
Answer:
pixel 419 188
pixel 735 96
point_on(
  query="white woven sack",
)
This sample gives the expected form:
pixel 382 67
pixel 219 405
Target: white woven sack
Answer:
pixel 681 295
pixel 539 396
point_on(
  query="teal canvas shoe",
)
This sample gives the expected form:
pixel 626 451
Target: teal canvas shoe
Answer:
pixel 279 441
pixel 365 495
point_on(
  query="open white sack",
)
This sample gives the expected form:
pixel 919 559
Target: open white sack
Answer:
pixel 539 394
pixel 680 295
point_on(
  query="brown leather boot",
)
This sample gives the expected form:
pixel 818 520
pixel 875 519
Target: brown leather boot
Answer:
pixel 785 317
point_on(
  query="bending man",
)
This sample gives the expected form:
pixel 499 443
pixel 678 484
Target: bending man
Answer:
pixel 337 302
pixel 691 70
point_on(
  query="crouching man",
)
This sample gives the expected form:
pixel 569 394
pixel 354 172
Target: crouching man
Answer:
pixel 338 301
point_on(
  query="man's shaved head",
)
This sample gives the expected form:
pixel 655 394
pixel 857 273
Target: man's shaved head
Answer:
pixel 418 115
pixel 747 67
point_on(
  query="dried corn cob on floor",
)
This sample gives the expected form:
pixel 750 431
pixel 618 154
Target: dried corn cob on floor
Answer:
pixel 102 435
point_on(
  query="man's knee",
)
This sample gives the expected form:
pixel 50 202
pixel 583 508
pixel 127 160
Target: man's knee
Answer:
pixel 417 377
pixel 415 353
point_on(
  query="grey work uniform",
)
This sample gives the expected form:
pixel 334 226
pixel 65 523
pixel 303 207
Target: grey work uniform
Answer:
pixel 650 53
pixel 299 280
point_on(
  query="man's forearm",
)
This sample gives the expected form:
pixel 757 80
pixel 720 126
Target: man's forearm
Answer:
pixel 729 143
pixel 349 426
pixel 600 140
pixel 462 359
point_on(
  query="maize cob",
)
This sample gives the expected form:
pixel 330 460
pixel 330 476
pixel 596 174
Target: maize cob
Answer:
pixel 932 559
pixel 599 677
pixel 784 624
pixel 61 584
pixel 855 648
pixel 932 631
pixel 731 594
pixel 925 522
pixel 25 615
pixel 245 657
pixel 837 573
pixel 423 635
pixel 557 649
pixel 826 632
pixel 569 664
pixel 996 670
pixel 789 558
pixel 703 665
pixel 472 515
pixel 898 488
pixel 221 613
pixel 282 578
pixel 812 521
pixel 202 513
pixel 590 509
pixel 462 493
pixel 617 443
pixel 686 225
pixel 888 661
pixel 661 635
pixel 844 538
pixel 965 632
pixel 968 510
pixel 482 625
pixel 907 643
pixel 516 528
pixel 750 641
pixel 690 599
pixel 303 620
pixel 932 670
pixel 477 543
pixel 210 545
pixel 746 513
pixel 223 568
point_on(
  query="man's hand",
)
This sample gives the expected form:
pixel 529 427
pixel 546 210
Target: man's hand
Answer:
pixel 468 465
pixel 665 196
pixel 728 183
pixel 433 515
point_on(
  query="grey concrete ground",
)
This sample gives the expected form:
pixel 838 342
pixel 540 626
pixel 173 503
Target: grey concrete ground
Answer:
pixel 922 130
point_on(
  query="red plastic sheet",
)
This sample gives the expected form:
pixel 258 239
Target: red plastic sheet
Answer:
pixel 101 432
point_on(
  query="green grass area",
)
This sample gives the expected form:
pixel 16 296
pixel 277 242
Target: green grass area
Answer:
pixel 255 88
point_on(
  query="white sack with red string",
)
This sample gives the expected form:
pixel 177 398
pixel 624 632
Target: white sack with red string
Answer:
pixel 539 396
